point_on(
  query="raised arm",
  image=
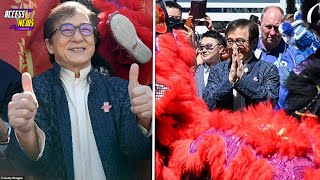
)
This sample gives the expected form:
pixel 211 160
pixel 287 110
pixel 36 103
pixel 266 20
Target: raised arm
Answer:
pixel 141 98
pixel 267 90
pixel 21 113
pixel 218 85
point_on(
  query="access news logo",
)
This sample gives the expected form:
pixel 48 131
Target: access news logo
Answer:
pixel 23 23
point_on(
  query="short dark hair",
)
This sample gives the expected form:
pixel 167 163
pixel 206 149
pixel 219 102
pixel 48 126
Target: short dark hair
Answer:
pixel 254 18
pixel 63 11
pixel 172 4
pixel 215 35
pixel 244 23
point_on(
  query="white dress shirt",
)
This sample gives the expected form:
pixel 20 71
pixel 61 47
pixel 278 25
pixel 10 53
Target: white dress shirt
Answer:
pixel 86 158
pixel 206 73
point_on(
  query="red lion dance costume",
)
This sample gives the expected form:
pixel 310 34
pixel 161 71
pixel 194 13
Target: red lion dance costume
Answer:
pixel 136 26
pixel 194 143
pixel 140 14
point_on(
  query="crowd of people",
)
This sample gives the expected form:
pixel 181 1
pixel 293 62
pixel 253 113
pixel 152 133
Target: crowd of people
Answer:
pixel 267 44
pixel 232 107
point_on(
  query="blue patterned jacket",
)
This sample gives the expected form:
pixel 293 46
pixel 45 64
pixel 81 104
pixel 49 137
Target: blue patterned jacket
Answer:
pixel 260 83
pixel 117 134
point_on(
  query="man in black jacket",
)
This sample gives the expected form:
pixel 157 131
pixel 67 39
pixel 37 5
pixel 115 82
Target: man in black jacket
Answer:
pixel 10 83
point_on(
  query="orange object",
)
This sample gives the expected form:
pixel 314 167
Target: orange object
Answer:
pixel 161 26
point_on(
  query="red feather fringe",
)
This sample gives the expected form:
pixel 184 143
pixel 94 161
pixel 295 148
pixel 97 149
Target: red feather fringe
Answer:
pixel 141 17
pixel 181 116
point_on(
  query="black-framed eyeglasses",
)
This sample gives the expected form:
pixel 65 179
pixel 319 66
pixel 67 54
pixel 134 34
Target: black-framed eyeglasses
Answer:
pixel 239 42
pixel 207 47
pixel 68 29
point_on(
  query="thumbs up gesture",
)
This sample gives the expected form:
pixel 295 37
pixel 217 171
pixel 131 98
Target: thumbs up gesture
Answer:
pixel 141 98
pixel 23 107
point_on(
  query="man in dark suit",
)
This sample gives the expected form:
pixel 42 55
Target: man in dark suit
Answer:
pixel 243 80
pixel 10 83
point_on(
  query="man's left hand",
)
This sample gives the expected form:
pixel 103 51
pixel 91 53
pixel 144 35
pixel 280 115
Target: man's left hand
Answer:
pixel 141 98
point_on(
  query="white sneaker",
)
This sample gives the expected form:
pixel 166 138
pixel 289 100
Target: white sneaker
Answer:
pixel 125 34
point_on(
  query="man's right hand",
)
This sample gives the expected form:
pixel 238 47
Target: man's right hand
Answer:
pixel 199 58
pixel 208 22
pixel 23 108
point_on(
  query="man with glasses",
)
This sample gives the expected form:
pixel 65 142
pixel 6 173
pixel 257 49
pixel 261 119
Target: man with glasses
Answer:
pixel 174 11
pixel 74 121
pixel 242 80
pixel 211 45
pixel 272 48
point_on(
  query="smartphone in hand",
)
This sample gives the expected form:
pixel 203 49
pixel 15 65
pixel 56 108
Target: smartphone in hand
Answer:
pixel 198 9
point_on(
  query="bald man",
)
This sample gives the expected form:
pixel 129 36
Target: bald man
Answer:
pixel 272 48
